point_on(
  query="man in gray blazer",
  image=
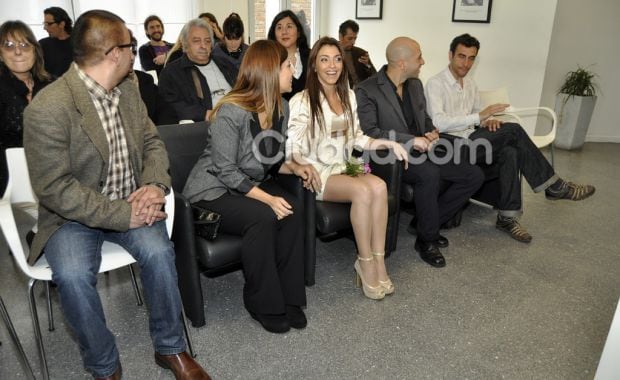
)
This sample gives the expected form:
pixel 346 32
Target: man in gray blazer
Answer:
pixel 391 104
pixel 99 171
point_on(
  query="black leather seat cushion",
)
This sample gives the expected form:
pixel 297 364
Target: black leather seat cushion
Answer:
pixel 225 250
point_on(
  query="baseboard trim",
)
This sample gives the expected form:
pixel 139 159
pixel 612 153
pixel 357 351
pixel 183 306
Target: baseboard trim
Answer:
pixel 600 138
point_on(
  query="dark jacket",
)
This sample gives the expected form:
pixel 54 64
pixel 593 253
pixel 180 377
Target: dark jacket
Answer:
pixel 220 51
pixel 57 55
pixel 299 84
pixel 379 109
pixel 148 93
pixel 147 54
pixel 362 71
pixel 13 101
pixel 178 98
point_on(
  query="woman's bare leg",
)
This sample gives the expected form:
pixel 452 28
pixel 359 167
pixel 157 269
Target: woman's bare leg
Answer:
pixel 378 217
pixel 343 188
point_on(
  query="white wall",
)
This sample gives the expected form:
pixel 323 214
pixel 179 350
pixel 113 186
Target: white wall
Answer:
pixel 221 9
pixel 514 46
pixel 585 33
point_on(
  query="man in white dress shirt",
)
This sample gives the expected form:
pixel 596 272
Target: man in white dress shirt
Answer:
pixel 453 102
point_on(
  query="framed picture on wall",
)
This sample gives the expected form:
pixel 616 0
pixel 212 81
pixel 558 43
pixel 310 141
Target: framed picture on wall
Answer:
pixel 368 9
pixel 471 11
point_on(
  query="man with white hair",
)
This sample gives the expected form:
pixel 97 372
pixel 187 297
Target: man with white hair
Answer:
pixel 191 86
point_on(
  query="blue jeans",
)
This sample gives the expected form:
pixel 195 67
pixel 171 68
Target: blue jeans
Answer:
pixel 74 255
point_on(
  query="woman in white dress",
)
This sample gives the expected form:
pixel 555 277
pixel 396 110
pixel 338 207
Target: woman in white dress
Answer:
pixel 323 131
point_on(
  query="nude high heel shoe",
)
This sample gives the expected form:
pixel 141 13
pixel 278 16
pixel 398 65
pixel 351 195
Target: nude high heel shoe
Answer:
pixel 372 292
pixel 387 285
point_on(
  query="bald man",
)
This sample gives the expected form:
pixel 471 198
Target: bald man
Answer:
pixel 391 105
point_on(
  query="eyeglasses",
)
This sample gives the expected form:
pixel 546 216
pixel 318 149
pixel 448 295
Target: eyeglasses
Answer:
pixel 132 45
pixel 11 46
pixel 49 23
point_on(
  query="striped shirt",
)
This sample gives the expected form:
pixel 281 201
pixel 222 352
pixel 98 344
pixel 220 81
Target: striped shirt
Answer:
pixel 120 182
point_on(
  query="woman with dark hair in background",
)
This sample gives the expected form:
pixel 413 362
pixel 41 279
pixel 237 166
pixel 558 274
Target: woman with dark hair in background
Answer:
pixel 232 48
pixel 288 31
pixel 218 35
pixel 235 178
pixel 323 131
pixel 22 76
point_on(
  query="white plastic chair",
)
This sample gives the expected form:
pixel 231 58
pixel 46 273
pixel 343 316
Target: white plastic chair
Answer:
pixel 500 95
pixel 19 193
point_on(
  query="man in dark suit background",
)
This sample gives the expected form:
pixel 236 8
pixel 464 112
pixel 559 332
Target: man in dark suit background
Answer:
pixel 356 59
pixel 391 105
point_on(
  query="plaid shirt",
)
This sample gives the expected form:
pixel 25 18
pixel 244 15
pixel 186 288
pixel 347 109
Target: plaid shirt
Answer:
pixel 120 182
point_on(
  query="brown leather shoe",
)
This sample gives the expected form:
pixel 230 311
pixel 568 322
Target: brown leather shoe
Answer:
pixel 117 375
pixel 183 366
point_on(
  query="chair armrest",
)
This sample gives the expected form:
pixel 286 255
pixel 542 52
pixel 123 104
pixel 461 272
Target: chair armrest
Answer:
pixel 309 199
pixel 186 261
pixel 383 164
pixel 552 114
pixel 292 184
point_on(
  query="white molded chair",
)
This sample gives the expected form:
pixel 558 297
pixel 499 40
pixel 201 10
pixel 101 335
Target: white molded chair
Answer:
pixel 500 95
pixel 19 193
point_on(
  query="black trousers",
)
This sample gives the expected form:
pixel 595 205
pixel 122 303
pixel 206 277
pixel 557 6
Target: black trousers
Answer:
pixel 272 253
pixel 460 180
pixel 515 153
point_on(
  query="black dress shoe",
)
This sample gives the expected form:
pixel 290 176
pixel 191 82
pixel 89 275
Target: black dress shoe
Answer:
pixel 442 242
pixel 275 323
pixel 430 253
pixel 296 317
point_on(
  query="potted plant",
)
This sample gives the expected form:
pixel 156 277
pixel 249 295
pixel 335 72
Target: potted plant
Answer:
pixel 574 105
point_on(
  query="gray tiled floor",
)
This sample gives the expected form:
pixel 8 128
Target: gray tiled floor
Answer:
pixel 500 309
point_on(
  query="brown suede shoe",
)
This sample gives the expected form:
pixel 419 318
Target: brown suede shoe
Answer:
pixel 117 375
pixel 183 366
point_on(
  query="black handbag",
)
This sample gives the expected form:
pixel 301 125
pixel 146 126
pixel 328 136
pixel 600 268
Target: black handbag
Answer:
pixel 206 222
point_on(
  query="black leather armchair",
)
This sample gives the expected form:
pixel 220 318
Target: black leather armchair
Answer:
pixel 332 219
pixel 195 255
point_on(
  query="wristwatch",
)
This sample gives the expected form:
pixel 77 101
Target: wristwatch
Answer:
pixel 164 188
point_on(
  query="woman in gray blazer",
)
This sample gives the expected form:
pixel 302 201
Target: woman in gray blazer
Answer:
pixel 234 177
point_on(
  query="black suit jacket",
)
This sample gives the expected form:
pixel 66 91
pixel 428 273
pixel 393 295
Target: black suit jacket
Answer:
pixel 380 112
pixel 178 98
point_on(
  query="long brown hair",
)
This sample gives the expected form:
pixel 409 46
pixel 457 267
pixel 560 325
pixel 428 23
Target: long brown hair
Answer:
pixel 314 88
pixel 258 84
pixel 19 30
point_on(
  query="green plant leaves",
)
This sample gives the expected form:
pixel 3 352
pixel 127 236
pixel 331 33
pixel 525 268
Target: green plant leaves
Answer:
pixel 579 83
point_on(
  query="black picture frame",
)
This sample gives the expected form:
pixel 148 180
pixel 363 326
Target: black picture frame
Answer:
pixel 471 11
pixel 368 9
